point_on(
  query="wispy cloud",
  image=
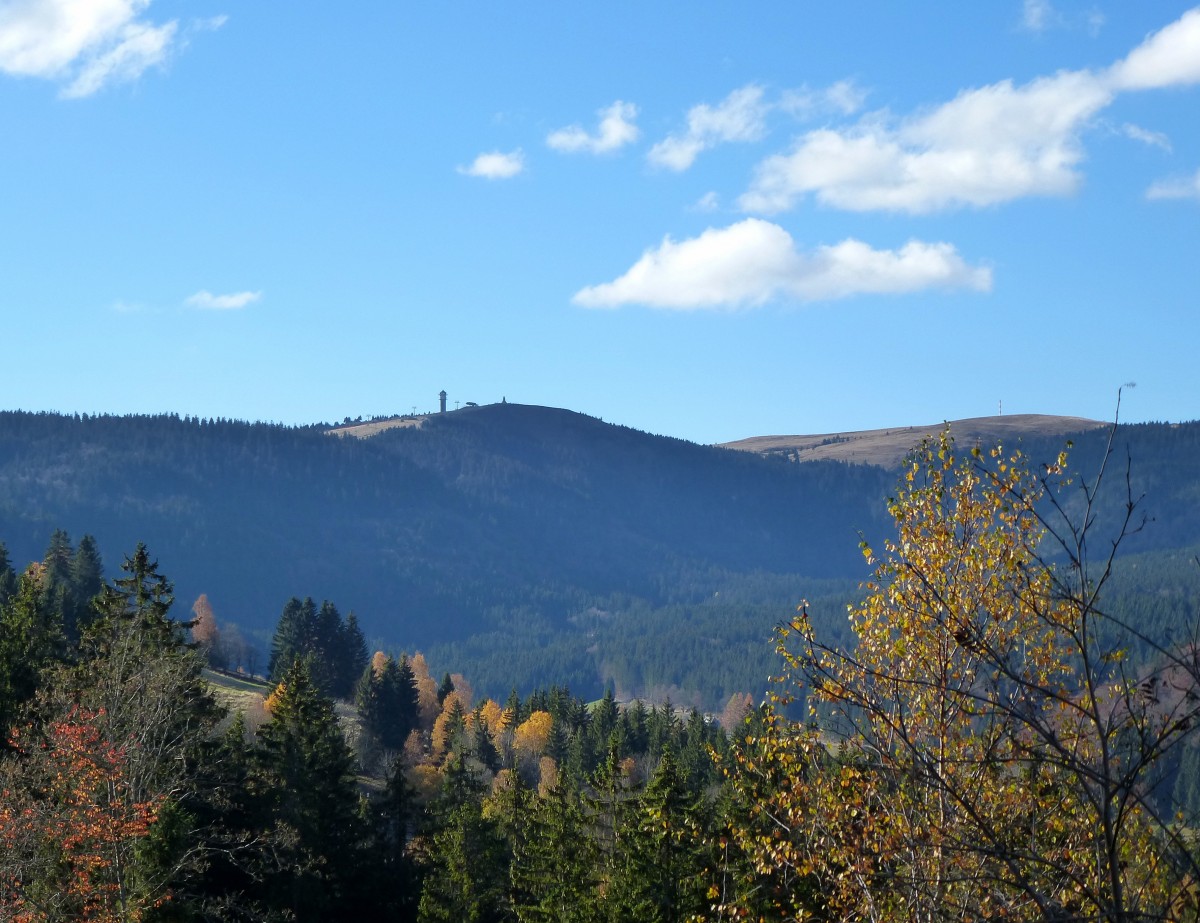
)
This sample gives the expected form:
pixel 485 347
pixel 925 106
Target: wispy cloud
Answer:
pixel 755 261
pixel 1041 16
pixel 741 116
pixel 1187 187
pixel 207 301
pixel 1146 136
pixel 986 146
pixel 496 165
pixel 709 202
pixel 83 44
pixel 615 130
pixel 1038 15
pixel 842 98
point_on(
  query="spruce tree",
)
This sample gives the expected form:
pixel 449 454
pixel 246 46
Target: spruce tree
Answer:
pixel 396 888
pixel 87 569
pixel 351 656
pixel 304 776
pixel 30 639
pixel 661 878
pixel 8 579
pixel 294 636
pixel 604 721
pixel 466 880
pixel 554 871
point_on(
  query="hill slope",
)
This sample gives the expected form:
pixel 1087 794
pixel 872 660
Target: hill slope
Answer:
pixel 519 544
pixel 888 447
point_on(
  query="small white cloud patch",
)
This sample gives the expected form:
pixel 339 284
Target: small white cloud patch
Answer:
pixel 842 98
pixel 740 116
pixel 495 165
pixel 207 301
pixel 615 130
pixel 755 261
pixel 1146 136
pixel 1187 187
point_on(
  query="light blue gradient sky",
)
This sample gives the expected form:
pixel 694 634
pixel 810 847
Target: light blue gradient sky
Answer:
pixel 708 221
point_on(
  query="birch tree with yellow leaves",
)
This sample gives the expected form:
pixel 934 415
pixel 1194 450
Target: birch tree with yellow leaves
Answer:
pixel 987 750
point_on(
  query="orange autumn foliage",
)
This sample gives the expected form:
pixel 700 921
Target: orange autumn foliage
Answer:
pixel 273 699
pixel 427 698
pixel 69 826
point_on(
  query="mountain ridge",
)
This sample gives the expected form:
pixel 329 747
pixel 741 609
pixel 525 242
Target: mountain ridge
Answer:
pixel 517 543
pixel 888 447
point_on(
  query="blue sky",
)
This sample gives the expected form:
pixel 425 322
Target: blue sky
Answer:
pixel 709 221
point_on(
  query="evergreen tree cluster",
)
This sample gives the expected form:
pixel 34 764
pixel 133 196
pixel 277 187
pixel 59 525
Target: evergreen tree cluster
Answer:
pixel 333 646
pixel 386 696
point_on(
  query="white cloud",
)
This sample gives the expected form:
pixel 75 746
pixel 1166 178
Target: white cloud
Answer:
pixel 988 145
pixel 709 202
pixel 141 47
pixel 1169 57
pixel 1039 15
pixel 86 43
pixel 212 24
pixel 1179 188
pixel 616 129
pixel 496 165
pixel 754 261
pixel 1146 136
pixel 741 116
pixel 843 98
pixel 235 300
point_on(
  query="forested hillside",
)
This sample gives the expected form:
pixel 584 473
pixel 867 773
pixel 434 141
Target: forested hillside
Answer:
pixel 518 543
pixel 981 744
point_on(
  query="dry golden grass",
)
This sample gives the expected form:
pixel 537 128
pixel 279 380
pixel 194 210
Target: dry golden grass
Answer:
pixel 888 447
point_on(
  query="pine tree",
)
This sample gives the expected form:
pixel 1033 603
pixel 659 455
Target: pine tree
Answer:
pixel 604 721
pixel 352 656
pixel 304 777
pixel 397 885
pixel 8 579
pixel 294 637
pixel 403 702
pixel 87 569
pixel 467 877
pixel 30 639
pixel 694 760
pixel 57 559
pixel 554 867
pixel 609 800
pixel 327 652
pixel 662 876
pixel 445 687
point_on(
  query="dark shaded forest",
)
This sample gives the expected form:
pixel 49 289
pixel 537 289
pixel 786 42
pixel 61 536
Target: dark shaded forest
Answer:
pixel 516 542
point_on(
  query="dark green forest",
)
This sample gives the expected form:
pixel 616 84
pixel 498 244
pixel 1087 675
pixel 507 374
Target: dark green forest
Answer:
pixel 514 542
